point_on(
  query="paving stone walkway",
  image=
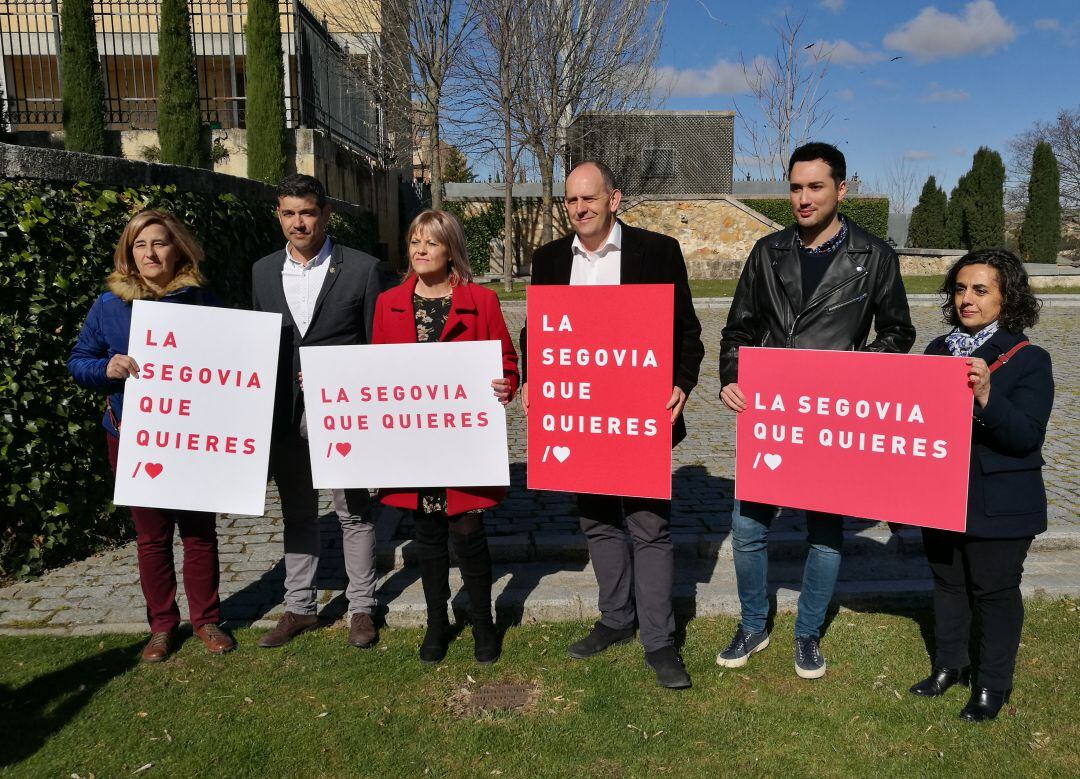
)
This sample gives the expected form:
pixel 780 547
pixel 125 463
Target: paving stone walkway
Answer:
pixel 541 559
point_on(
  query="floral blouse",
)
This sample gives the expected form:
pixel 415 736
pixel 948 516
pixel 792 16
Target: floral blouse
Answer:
pixel 431 315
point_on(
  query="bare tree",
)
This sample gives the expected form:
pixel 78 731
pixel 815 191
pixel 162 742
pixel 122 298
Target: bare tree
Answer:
pixel 789 97
pixel 1063 135
pixel 588 55
pixel 422 44
pixel 498 68
pixel 900 183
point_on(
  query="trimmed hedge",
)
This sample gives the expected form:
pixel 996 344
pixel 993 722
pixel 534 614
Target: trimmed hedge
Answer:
pixel 870 213
pixel 481 228
pixel 56 244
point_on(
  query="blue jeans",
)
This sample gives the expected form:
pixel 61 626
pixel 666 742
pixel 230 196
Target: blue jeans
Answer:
pixel 749 532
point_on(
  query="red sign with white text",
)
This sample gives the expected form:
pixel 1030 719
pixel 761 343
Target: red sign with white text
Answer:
pixel 600 373
pixel 864 434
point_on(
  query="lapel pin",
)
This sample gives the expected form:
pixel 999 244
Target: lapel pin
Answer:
pixel 859 268
pixel 334 270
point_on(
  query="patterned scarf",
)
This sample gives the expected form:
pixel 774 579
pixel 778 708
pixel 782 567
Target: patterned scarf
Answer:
pixel 962 345
pixel 830 245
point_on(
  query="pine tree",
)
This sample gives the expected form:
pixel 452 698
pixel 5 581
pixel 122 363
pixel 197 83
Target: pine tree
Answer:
pixel 984 202
pixel 926 230
pixel 179 120
pixel 455 167
pixel 83 90
pixel 265 110
pixel 954 216
pixel 1040 234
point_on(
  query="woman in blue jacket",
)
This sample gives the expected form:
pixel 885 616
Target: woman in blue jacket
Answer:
pixel 990 305
pixel 156 259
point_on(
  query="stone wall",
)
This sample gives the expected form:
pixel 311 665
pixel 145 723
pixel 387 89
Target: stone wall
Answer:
pixel 927 262
pixel 716 232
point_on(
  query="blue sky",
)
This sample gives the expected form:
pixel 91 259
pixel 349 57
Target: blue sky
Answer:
pixel 972 73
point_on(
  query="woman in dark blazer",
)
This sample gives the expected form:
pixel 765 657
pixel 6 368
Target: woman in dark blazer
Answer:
pixel 438 302
pixel 155 259
pixel 990 305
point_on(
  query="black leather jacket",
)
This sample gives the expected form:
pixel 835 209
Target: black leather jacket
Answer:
pixel 861 287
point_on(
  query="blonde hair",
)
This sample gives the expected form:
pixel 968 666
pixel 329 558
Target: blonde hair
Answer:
pixel 190 251
pixel 443 227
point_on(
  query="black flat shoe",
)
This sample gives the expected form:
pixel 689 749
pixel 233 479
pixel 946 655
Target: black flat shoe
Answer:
pixel 984 704
pixel 939 680
pixel 486 647
pixel 600 638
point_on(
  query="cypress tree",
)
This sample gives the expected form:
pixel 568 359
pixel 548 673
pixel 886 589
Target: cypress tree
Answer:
pixel 984 203
pixel 83 90
pixel 265 110
pixel 954 216
pixel 179 122
pixel 1040 234
pixel 926 229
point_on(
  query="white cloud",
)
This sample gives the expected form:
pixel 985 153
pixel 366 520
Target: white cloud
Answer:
pixel 947 96
pixel 1047 24
pixel 836 6
pixel 883 83
pixel 843 53
pixel 958 151
pixel 845 94
pixel 934 35
pixel 723 78
pixel 915 154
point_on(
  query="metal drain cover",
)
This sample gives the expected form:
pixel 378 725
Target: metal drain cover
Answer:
pixel 501 697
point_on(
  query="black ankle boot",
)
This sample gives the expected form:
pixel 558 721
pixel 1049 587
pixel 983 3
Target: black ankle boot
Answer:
pixel 436 639
pixel 486 639
pixel 939 680
pixel 984 704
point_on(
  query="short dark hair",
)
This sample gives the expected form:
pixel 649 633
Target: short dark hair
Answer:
pixel 1019 308
pixel 301 185
pixel 605 172
pixel 825 152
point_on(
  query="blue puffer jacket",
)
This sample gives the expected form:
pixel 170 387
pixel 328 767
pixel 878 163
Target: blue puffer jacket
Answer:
pixel 108 325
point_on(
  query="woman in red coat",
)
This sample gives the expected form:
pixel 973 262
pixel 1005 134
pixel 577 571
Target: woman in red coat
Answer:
pixel 438 302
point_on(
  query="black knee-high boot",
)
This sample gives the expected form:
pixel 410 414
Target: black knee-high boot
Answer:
pixel 474 560
pixel 433 558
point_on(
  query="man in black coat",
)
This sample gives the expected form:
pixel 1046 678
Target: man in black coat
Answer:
pixel 326 295
pixel 603 250
pixel 818 284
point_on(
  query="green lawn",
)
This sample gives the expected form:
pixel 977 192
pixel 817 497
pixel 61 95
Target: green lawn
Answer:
pixel 81 706
pixel 722 288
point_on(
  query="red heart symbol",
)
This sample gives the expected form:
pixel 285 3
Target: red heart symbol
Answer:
pixel 343 449
pixel 153 469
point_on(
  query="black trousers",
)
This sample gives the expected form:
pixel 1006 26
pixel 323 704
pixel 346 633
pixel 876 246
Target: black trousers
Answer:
pixel 628 587
pixel 980 574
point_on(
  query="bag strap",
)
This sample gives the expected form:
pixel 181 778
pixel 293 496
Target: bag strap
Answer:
pixel 112 416
pixel 1007 356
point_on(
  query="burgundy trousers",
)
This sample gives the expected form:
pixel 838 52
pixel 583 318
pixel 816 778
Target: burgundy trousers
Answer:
pixel 157 573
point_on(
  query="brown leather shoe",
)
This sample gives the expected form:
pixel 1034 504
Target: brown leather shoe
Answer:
pixel 159 647
pixel 216 640
pixel 362 632
pixel 288 627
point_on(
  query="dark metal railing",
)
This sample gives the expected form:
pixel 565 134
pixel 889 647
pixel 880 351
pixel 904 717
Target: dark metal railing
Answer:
pixel 320 91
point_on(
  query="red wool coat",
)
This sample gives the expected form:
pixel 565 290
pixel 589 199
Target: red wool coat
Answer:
pixel 474 315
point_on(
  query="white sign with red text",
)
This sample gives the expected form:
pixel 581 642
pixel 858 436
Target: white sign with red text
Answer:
pixel 195 432
pixel 405 415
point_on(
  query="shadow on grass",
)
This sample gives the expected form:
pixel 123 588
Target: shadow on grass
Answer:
pixel 31 714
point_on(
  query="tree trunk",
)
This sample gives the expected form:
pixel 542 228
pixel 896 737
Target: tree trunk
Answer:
pixel 434 159
pixel 547 198
pixel 508 203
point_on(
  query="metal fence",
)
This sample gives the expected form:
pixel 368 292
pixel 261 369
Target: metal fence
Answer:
pixel 320 90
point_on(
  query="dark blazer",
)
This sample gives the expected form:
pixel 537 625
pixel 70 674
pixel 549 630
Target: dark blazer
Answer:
pixel 343 315
pixel 475 315
pixel 1006 495
pixel 647 258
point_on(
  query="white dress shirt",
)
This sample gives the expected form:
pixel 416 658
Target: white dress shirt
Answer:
pixel 600 267
pixel 302 284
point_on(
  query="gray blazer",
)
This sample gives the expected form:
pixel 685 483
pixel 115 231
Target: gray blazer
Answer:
pixel 343 315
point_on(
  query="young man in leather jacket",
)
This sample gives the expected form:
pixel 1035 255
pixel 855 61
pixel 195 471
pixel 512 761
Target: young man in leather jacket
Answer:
pixel 819 284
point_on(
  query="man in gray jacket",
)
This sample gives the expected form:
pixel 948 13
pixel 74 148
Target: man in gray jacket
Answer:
pixel 326 295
